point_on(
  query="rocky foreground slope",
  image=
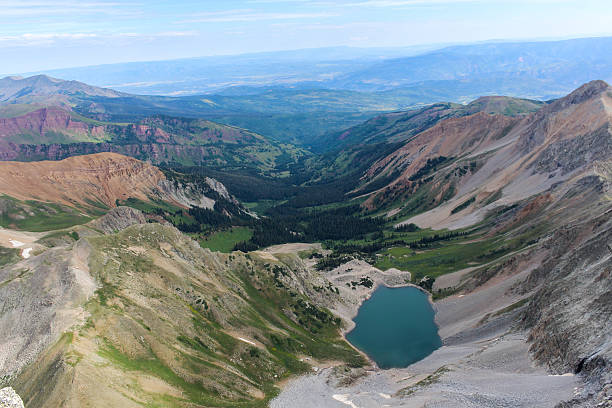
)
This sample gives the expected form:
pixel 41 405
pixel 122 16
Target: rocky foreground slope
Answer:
pixel 146 317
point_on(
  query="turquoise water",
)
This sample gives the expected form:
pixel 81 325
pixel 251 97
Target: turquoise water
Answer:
pixel 395 327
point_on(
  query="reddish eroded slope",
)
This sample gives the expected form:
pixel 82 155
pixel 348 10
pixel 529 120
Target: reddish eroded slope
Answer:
pixel 43 126
pixel 57 125
pixel 398 127
pixel 450 138
pixel 511 158
pixel 103 177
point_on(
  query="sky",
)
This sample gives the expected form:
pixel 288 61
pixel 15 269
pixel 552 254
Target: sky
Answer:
pixel 41 34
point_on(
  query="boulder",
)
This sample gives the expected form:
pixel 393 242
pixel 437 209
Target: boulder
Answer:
pixel 10 399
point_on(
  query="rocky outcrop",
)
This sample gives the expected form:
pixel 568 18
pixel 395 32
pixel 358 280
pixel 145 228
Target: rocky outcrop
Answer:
pixel 119 218
pixel 10 399
pixel 40 298
pixel 188 195
pixel 569 313
pixel 220 189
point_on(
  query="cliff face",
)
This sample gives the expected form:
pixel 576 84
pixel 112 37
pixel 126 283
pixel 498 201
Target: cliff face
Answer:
pixel 569 313
pixel 119 218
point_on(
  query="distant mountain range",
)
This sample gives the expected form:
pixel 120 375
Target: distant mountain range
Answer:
pixel 300 96
pixel 537 67
pixel 546 69
pixel 248 71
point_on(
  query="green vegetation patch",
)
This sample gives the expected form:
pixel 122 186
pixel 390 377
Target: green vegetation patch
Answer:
pixel 463 205
pixel 152 365
pixel 9 256
pixel 59 238
pixel 448 256
pixel 224 241
pixel 38 216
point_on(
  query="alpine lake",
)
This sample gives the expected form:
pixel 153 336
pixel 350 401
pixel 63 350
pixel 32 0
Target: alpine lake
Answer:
pixel 395 327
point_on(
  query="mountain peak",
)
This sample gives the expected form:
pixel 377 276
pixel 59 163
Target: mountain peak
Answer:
pixel 504 105
pixel 587 91
pixel 32 79
pixel 46 90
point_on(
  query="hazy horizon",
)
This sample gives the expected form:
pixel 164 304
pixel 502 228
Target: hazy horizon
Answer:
pixel 409 51
pixel 45 35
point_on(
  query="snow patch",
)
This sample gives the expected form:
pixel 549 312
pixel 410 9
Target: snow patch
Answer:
pixel 247 341
pixel 16 243
pixel 344 398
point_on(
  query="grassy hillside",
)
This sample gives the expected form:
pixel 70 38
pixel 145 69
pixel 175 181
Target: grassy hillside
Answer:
pixel 39 216
pixel 182 326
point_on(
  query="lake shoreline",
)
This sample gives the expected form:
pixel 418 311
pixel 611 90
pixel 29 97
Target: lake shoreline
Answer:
pixel 351 324
pixel 395 340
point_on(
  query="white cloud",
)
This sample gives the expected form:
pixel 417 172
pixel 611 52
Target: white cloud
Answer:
pixel 250 15
pixel 37 39
pixel 401 3
pixel 37 8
